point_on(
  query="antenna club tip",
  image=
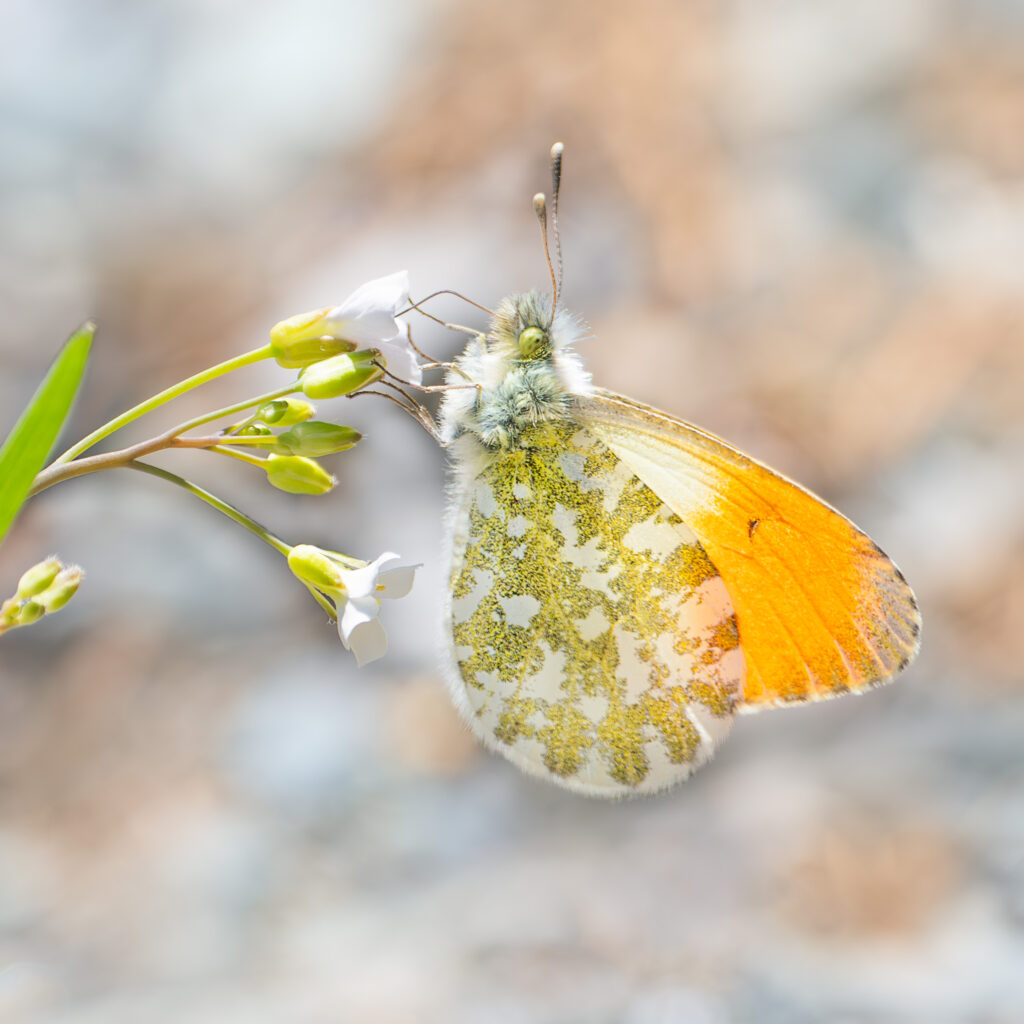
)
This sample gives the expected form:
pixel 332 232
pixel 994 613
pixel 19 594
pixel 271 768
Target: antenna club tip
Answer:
pixel 557 150
pixel 540 204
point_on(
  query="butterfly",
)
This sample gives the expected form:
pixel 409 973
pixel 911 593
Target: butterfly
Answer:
pixel 623 583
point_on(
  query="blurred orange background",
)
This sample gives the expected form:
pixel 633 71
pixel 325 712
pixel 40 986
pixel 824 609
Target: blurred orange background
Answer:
pixel 798 223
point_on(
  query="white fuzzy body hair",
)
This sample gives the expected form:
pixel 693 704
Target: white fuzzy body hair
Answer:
pixel 512 392
pixel 494 363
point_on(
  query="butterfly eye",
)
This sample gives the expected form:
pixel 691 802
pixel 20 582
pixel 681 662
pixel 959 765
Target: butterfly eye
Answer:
pixel 534 343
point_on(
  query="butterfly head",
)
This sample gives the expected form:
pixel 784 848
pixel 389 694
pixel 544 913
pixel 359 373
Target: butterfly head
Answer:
pixel 526 337
pixel 523 331
pixel 524 370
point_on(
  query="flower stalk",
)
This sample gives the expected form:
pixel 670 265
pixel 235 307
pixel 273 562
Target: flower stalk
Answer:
pixel 337 351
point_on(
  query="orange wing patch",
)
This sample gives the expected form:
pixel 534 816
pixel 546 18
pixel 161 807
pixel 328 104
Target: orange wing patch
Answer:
pixel 820 609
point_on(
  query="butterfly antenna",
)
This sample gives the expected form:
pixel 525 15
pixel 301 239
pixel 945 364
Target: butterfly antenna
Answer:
pixel 540 207
pixel 442 291
pixel 556 186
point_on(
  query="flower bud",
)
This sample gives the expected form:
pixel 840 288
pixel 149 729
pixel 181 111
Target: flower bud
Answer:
pixel 305 339
pixel 31 611
pixel 341 375
pixel 316 439
pixel 283 412
pixel 38 578
pixel 316 568
pixel 297 475
pixel 62 589
pixel 253 430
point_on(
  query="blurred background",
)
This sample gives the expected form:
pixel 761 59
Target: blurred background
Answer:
pixel 799 223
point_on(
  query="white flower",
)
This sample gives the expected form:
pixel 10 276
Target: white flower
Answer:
pixel 367 316
pixel 358 626
pixel 355 595
pixel 367 319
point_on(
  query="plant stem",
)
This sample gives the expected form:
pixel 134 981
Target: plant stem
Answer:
pixel 236 516
pixel 211 499
pixel 253 460
pixel 57 471
pixel 55 474
pixel 230 410
pixel 157 400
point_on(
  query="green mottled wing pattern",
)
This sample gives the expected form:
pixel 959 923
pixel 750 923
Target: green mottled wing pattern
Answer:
pixel 595 641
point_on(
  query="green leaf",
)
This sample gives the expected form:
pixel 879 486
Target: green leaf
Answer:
pixel 24 452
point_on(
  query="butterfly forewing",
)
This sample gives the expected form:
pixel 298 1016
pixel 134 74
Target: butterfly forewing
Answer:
pixel 593 640
pixel 820 609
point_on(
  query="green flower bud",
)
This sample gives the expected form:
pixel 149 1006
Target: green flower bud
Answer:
pixel 305 339
pixel 283 412
pixel 38 578
pixel 316 568
pixel 62 589
pixel 341 375
pixel 253 430
pixel 316 439
pixel 31 611
pixel 297 475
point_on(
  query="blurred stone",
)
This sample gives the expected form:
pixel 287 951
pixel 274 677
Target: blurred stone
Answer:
pixel 302 740
pixel 423 731
pixel 863 878
pixel 665 1004
pixel 27 989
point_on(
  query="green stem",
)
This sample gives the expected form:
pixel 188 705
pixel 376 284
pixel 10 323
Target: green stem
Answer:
pixel 164 396
pixel 230 410
pixel 238 427
pixel 222 440
pixel 55 473
pixel 253 460
pixel 221 506
pixel 239 517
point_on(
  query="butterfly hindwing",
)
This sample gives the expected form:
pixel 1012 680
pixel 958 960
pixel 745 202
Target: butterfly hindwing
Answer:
pixel 820 609
pixel 592 639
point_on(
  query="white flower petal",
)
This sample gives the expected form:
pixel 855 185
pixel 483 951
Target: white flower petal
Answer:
pixel 396 583
pixel 400 358
pixel 357 604
pixel 367 316
pixel 361 582
pixel 368 642
pixel 357 612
